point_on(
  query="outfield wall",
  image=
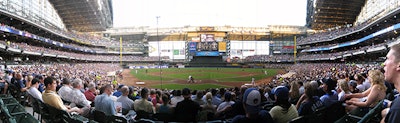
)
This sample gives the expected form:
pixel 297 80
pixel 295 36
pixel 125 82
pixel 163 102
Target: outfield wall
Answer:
pixel 172 49
pixel 242 49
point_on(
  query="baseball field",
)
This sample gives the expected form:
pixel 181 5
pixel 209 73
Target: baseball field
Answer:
pixel 177 78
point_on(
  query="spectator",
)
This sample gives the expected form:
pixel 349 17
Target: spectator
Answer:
pixel 283 111
pixel 165 108
pixel 33 90
pixel 3 83
pixel 78 98
pixel 392 75
pixel 237 108
pixel 41 84
pixel 331 96
pixel 343 89
pixel 105 103
pixel 254 114
pixel 311 102
pixel 20 82
pixel 198 97
pixel 177 97
pixel 294 93
pixel 301 88
pixel 65 90
pixel 118 92
pixel 127 104
pixel 353 87
pixel 186 110
pixel 208 106
pixel 91 93
pixel 360 79
pixel 227 101
pixel 216 101
pixel 143 104
pixel 50 96
pixel 153 97
pixel 370 97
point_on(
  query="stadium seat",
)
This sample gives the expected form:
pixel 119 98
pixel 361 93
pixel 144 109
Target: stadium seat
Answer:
pixel 35 106
pixel 143 115
pixel 364 118
pixel 99 116
pixel 373 113
pixel 163 117
pixel 14 91
pixel 334 112
pixel 55 115
pixel 17 114
pixel 73 118
pixel 25 118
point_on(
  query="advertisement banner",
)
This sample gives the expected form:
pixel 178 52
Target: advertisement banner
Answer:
pixel 222 46
pixel 207 53
pixel 192 46
pixel 176 52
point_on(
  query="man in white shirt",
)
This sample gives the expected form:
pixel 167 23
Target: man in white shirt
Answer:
pixel 78 98
pixel 33 90
pixel 65 90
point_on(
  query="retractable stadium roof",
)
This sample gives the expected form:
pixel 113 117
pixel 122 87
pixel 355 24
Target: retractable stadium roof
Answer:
pixel 324 14
pixel 85 15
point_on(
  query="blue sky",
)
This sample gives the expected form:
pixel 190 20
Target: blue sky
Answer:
pixel 178 13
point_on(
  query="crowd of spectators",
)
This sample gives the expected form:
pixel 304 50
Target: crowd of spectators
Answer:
pixel 329 34
pixel 85 38
pixel 290 95
pixel 335 32
pixel 313 56
pixel 269 58
pixel 26 47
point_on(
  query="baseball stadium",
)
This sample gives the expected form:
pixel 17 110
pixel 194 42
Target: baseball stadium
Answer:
pixel 66 61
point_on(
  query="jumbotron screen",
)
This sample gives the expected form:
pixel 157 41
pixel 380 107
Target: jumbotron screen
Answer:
pixel 206 46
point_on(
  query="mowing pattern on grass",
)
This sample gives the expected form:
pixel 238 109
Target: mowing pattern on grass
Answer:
pixel 220 74
pixel 176 78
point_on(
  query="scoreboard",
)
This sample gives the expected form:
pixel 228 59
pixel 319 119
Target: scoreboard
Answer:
pixel 207 45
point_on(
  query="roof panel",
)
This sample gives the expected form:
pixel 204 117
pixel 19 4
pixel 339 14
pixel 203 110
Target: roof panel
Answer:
pixel 331 13
pixel 76 13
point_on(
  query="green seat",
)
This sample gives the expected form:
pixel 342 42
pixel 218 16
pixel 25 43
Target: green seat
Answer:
pixel 25 118
pixel 73 118
pixel 9 100
pixel 35 106
pixel 18 95
pixel 352 118
pixel 373 112
pixel 53 115
pixel 16 114
pixel 15 109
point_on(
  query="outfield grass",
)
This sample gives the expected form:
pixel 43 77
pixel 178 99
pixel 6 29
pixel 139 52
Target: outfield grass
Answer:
pixel 222 74
pixel 190 86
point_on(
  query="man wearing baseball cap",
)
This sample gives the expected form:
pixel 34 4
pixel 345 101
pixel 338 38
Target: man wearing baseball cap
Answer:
pixel 254 114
